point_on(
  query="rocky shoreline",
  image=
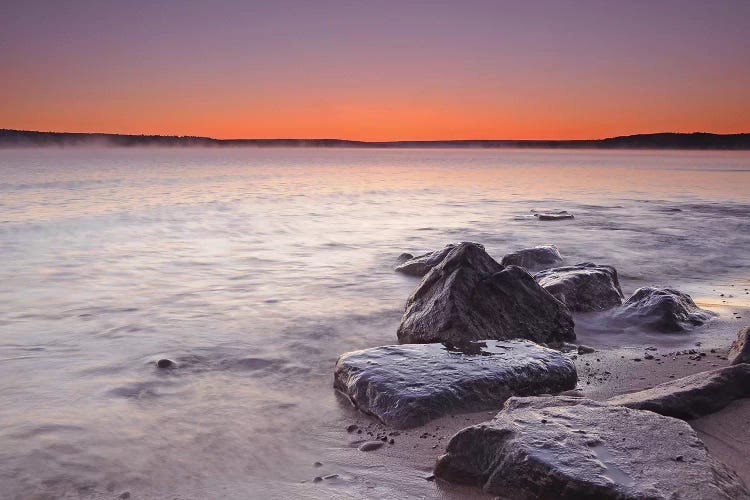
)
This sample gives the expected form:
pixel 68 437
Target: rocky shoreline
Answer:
pixel 444 372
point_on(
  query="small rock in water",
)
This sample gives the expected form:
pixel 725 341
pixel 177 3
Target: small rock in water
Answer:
pixel 370 445
pixel 317 464
pixel 165 363
pixel 125 495
pixel 317 479
pixel 352 428
pixel 552 215
pixel 331 476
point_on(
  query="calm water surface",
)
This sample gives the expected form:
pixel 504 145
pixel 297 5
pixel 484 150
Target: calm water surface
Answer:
pixel 256 268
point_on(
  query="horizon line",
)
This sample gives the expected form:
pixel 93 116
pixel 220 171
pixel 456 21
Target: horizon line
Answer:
pixel 361 141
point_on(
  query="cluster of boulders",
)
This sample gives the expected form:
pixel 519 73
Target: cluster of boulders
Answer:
pixel 470 338
pixel 476 334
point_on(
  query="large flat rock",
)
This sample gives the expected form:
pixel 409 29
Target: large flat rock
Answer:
pixel 407 385
pixel 583 287
pixel 534 258
pixel 470 296
pixel 662 310
pixel 578 449
pixel 692 396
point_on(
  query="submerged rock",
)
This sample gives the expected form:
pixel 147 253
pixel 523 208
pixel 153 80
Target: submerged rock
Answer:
pixel 583 287
pixel 692 396
pixel 661 309
pixel 552 215
pixel 408 385
pixel 576 448
pixel 740 350
pixel 166 363
pixel 469 296
pixel 421 265
pixel 534 258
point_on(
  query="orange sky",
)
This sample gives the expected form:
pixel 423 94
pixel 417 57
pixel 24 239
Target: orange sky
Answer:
pixel 509 71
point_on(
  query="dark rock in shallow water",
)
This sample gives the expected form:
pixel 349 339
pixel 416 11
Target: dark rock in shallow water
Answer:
pixel 165 363
pixel 692 396
pixel 539 257
pixel 740 351
pixel 661 309
pixel 422 264
pixel 408 385
pixel 553 215
pixel 579 449
pixel 583 287
pixel 469 296
pixel 404 257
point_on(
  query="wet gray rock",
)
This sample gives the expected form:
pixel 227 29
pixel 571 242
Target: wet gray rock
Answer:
pixel 662 310
pixel 535 258
pixel 470 296
pixel 552 215
pixel 407 385
pixel 692 396
pixel 740 350
pixel 583 287
pixel 579 449
pixel 422 264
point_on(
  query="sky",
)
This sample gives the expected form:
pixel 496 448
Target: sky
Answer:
pixel 376 70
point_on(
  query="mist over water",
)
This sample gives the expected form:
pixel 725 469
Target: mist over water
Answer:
pixel 254 269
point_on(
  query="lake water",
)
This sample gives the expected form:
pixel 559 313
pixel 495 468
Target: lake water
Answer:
pixel 256 268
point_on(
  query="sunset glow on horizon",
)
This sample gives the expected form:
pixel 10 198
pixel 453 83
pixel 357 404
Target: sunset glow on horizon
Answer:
pixel 377 70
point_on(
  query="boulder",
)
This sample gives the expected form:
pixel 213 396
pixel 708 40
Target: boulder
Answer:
pixel 540 257
pixel 578 449
pixel 583 287
pixel 421 265
pixel 407 385
pixel 740 350
pixel 662 310
pixel 469 296
pixel 692 396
